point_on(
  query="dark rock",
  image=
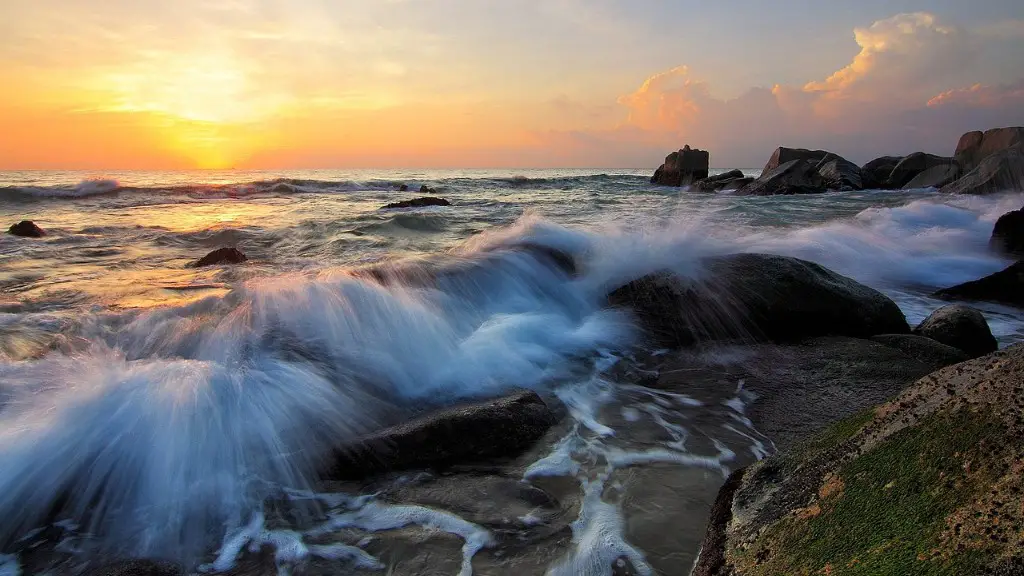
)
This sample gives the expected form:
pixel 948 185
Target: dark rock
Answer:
pixel 1002 171
pixel 220 256
pixel 935 177
pixel 492 429
pixel 961 327
pixel 1005 287
pixel 793 177
pixel 783 155
pixel 910 166
pixel 137 568
pixel 935 354
pixel 726 180
pixel 1008 233
pixel 875 174
pixel 682 168
pixel 424 189
pixel 418 203
pixel 403 188
pixel 738 184
pixel 26 229
pixel 974 147
pixel 712 550
pixel 840 174
pixel 758 297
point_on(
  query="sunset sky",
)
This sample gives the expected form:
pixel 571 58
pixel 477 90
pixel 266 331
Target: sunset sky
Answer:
pixel 124 84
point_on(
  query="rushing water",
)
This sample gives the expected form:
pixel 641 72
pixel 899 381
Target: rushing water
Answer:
pixel 162 405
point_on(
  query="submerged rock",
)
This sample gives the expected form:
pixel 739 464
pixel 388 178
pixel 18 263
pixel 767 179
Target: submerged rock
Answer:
pixel 418 203
pixel 220 256
pixel 1006 287
pixel 1008 233
pixel 682 168
pixel 961 327
pixel 904 488
pixel 931 352
pixel 974 147
pixel 758 297
pixel 492 429
pixel 26 229
pixel 793 177
pixel 999 172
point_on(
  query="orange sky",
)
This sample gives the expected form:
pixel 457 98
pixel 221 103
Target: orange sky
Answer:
pixel 445 83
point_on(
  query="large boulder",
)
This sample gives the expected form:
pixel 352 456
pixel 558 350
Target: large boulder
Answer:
pixel 492 429
pixel 840 174
pixel 417 203
pixel 724 181
pixel 934 177
pixel 758 297
pixel 783 155
pixel 1005 287
pixel 910 166
pixel 683 168
pixel 1008 233
pixel 793 177
pixel 220 256
pixel 26 229
pixel 961 327
pixel 1002 171
pixel 875 174
pixel 974 147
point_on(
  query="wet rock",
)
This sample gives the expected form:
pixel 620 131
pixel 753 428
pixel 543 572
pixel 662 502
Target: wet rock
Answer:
pixel 138 568
pixel 931 352
pixel 757 297
pixel 974 147
pixel 26 229
pixel 794 177
pixel 219 257
pixel 1002 171
pixel 492 429
pixel 424 189
pixel 840 174
pixel 719 181
pixel 783 155
pixel 1006 287
pixel 875 174
pixel 712 556
pixel 961 327
pixel 418 203
pixel 910 166
pixel 682 168
pixel 935 177
pixel 403 188
pixel 1008 233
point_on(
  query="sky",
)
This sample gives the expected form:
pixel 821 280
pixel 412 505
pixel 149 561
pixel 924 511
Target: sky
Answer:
pixel 277 84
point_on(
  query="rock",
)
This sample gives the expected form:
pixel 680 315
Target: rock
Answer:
pixel 1005 287
pixel 930 352
pixel 682 168
pixel 737 184
pixel 759 297
pixel 1008 233
pixel 894 490
pixel 220 256
pixel 974 147
pixel 1002 171
pixel 783 155
pixel 934 177
pixel 719 182
pixel 424 189
pixel 491 429
pixel 403 188
pixel 137 568
pixel 875 174
pixel 840 174
pixel 961 327
pixel 26 229
pixel 418 203
pixel 910 166
pixel 793 177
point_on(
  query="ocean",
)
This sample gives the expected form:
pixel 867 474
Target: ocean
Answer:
pixel 167 403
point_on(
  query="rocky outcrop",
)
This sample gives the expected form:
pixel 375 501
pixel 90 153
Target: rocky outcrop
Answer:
pixel 219 257
pixel 840 174
pixel 1002 171
pixel 974 147
pixel 758 297
pixel 783 155
pixel 875 174
pixel 935 354
pixel 26 229
pixel 910 166
pixel 683 168
pixel 1008 234
pixel 793 177
pixel 492 429
pixel 935 177
pixel 961 327
pixel 1005 287
pixel 928 483
pixel 731 180
pixel 417 203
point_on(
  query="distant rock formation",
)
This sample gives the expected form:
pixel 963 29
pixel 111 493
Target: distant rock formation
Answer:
pixel 682 168
pixel 26 229
pixel 220 256
pixel 417 203
pixel 974 147
pixel 1001 171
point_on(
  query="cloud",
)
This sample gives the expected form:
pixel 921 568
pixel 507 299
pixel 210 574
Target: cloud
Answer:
pixel 980 95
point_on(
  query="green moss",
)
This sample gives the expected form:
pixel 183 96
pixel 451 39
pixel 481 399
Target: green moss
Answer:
pixel 892 507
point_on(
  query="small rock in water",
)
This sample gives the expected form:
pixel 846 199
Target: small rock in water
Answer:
pixel 424 189
pixel 1005 287
pixel 26 229
pixel 961 327
pixel 403 188
pixel 220 256
pixel 1008 233
pixel 418 203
